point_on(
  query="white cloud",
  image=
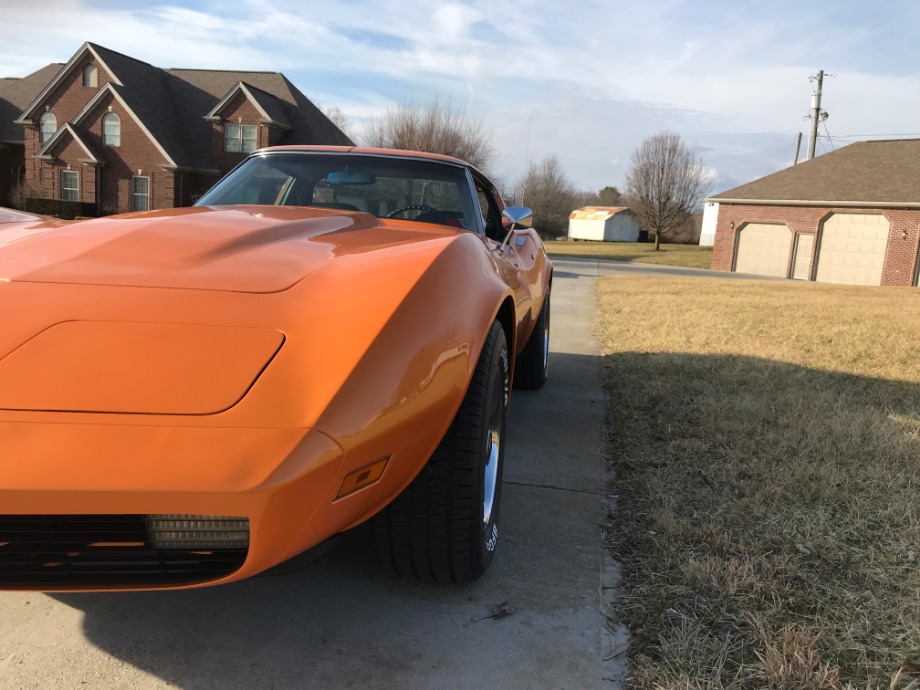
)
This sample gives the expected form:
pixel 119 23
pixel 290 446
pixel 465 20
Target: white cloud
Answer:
pixel 592 79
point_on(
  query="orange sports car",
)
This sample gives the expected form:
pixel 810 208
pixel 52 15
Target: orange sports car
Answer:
pixel 192 396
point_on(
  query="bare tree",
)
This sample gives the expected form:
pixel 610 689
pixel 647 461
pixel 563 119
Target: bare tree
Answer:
pixel 547 191
pixel 584 198
pixel 437 128
pixel 23 190
pixel 338 118
pixel 665 184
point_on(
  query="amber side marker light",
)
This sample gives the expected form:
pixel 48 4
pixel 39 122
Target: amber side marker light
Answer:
pixel 362 477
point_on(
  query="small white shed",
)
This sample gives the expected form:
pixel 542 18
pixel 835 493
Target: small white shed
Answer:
pixel 603 223
pixel 708 229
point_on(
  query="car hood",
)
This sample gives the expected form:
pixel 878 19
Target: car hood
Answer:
pixel 255 249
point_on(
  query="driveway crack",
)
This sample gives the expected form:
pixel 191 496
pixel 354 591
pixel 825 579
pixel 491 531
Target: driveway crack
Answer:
pixel 552 488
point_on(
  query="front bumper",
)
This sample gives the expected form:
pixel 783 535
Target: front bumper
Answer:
pixel 283 481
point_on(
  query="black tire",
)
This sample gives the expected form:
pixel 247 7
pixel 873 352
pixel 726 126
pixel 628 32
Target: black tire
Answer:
pixel 532 366
pixel 443 528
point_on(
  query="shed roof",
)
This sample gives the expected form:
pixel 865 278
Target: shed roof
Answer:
pixel 596 212
pixel 867 173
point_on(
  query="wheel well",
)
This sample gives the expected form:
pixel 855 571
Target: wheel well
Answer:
pixel 505 317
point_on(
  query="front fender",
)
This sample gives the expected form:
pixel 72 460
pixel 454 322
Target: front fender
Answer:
pixel 402 395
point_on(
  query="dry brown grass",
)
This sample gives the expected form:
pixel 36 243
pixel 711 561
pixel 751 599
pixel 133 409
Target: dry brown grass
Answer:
pixel 766 441
pixel 686 255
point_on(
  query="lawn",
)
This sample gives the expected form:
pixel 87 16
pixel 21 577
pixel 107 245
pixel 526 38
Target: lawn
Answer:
pixel 687 255
pixel 766 444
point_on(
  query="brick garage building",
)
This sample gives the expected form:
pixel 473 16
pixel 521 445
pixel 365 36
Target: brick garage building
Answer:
pixel 110 130
pixel 851 216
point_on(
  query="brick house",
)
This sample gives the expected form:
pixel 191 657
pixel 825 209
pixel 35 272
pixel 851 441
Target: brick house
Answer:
pixel 15 96
pixel 851 216
pixel 113 131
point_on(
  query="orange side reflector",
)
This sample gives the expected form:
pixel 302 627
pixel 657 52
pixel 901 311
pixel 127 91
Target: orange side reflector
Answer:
pixel 363 476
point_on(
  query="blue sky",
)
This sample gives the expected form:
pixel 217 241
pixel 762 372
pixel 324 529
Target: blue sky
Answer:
pixel 588 80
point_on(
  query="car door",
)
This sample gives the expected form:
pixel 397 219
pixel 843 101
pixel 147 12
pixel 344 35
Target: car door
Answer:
pixel 519 257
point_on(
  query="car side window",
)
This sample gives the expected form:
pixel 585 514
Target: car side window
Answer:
pixel 491 216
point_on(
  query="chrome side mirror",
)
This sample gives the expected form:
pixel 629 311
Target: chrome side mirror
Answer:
pixel 517 216
pixel 514 217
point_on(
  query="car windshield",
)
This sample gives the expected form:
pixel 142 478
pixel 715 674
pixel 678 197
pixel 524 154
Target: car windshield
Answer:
pixel 385 186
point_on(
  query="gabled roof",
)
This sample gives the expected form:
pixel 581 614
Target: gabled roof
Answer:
pixel 119 93
pixel 171 105
pixel 16 94
pixel 198 92
pixel 144 91
pixel 58 137
pixel 91 48
pixel 867 173
pixel 268 106
pixel 596 212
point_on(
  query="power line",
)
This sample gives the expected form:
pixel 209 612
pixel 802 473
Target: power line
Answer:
pixel 833 146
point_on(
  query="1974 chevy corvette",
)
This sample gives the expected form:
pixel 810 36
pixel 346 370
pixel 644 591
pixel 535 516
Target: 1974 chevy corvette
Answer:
pixel 192 396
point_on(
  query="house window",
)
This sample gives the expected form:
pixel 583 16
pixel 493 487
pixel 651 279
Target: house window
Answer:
pixel 48 125
pixel 239 138
pixel 111 130
pixel 70 185
pixel 90 76
pixel 140 193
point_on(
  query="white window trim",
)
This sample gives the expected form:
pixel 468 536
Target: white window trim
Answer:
pixel 240 139
pixel 116 121
pixel 41 127
pixel 75 190
pixel 134 194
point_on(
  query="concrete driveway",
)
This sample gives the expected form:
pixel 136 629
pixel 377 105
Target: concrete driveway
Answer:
pixel 610 267
pixel 536 620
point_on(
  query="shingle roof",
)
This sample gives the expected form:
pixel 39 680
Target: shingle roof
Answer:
pixel 146 92
pixel 885 173
pixel 270 106
pixel 196 92
pixel 65 132
pixel 16 94
pixel 172 103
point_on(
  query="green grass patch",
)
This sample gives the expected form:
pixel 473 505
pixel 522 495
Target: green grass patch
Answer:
pixel 766 444
pixel 686 255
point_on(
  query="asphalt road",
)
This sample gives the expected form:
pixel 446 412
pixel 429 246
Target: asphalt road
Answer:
pixel 536 620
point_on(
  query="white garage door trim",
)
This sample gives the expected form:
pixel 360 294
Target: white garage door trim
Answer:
pixel 801 261
pixel 763 249
pixel 852 248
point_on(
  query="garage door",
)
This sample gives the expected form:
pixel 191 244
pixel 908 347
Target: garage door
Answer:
pixel 852 249
pixel 763 250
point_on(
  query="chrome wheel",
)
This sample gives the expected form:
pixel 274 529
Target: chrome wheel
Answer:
pixel 490 475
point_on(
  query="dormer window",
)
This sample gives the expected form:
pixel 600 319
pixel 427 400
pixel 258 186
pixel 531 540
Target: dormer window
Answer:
pixel 90 76
pixel 48 125
pixel 111 130
pixel 239 138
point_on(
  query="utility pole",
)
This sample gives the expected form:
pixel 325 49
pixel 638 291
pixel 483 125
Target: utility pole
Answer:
pixel 816 115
